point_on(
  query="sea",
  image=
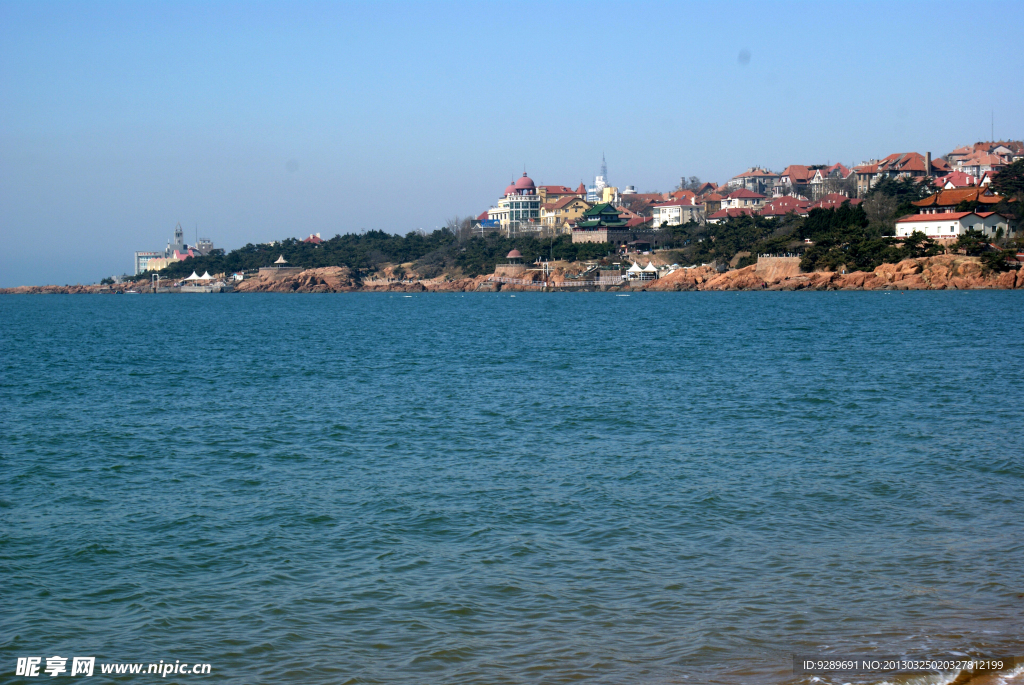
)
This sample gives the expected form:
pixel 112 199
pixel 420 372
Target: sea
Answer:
pixel 495 488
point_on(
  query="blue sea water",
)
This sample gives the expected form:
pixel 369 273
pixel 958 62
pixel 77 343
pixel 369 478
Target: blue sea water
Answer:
pixel 479 488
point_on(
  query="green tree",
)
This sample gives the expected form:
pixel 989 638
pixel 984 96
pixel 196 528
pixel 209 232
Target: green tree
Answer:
pixel 1009 183
pixel 997 259
pixel 917 244
pixel 972 243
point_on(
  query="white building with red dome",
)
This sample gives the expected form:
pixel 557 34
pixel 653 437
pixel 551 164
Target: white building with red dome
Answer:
pixel 519 210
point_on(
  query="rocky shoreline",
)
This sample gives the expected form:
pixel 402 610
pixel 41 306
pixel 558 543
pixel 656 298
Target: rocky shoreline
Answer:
pixel 945 272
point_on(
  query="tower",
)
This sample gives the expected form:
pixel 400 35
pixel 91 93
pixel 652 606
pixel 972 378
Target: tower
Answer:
pixel 604 169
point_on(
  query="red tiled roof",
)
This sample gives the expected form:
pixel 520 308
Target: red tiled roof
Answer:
pixel 677 203
pixel 638 221
pixel 482 217
pixel 783 206
pixel 757 173
pixel 945 216
pixel 959 179
pixel 743 193
pixel 732 213
pixel 798 173
pixel 842 170
pixel 557 190
pixel 833 201
pixel 982 158
pixel 951 198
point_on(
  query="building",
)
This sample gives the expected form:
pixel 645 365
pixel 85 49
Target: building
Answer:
pixel 513 268
pixel 949 226
pixel 603 223
pixel 898 165
pixel 677 212
pixel 560 214
pixel 174 252
pixel 519 210
pixel 555 193
pixel 314 238
pixel 602 215
pixel 754 179
pixel 712 202
pixel 142 260
pixel 832 179
pixel 595 193
pixel 781 206
pixel 743 199
pixel 958 179
pixel 946 201
pixel 978 163
pixel 833 201
pixel 794 180
pixel 724 214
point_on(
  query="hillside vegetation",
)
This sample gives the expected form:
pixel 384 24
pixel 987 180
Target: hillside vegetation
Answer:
pixel 847 238
pixel 431 254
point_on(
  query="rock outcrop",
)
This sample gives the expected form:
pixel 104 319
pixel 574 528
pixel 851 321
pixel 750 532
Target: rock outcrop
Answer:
pixel 930 273
pixel 329 279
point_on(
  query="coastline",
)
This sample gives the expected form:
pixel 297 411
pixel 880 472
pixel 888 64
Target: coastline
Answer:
pixel 944 272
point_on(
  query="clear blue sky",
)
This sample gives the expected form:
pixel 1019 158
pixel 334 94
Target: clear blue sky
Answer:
pixel 263 121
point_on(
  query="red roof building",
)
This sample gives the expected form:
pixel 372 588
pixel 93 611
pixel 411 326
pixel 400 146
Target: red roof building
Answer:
pixel 898 165
pixel 946 200
pixel 743 198
pixel 782 206
pixel 723 214
pixel 950 225
pixel 833 201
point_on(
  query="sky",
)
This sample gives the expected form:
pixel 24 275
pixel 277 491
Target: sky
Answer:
pixel 251 122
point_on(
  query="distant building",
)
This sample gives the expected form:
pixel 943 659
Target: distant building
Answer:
pixel 677 212
pixel 513 268
pixel 174 252
pixel 947 200
pixel 949 226
pixel 519 210
pixel 733 213
pixel 142 260
pixel 781 206
pixel 595 193
pixel 603 215
pixel 755 179
pixel 897 166
pixel 560 214
pixel 604 223
pixel 556 193
pixel 743 199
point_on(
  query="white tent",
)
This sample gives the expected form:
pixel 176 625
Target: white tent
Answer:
pixel 206 276
pixel 281 260
pixel 635 269
pixel 194 277
pixel 650 268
